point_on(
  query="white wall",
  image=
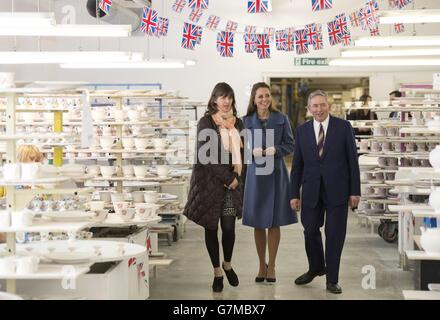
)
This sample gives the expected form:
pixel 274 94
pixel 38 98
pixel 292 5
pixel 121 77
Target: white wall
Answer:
pixel 240 72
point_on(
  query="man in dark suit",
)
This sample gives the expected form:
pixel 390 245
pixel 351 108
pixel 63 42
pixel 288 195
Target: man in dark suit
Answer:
pixel 326 166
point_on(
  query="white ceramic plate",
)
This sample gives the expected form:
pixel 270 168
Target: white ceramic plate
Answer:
pixel 167 196
pixel 70 257
pixel 68 216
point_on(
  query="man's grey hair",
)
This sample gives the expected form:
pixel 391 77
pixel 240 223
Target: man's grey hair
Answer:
pixel 316 93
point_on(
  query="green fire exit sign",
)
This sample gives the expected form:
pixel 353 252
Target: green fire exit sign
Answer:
pixel 311 61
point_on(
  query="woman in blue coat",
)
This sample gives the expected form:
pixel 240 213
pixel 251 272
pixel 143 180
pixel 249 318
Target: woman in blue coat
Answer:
pixel 266 205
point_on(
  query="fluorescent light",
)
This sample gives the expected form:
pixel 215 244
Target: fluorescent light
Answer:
pixel 397 41
pixel 28 19
pixel 68 30
pixel 410 16
pixel 190 62
pixel 384 62
pixel 391 52
pixel 29 57
pixel 146 64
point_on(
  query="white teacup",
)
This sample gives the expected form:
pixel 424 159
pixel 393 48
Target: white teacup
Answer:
pixel 107 171
pixel 11 171
pixel 162 171
pixel 143 210
pixel 117 197
pixel 96 205
pixel 107 142
pixel 93 170
pixel 127 215
pixel 138 196
pixel 21 219
pixel 140 171
pixel 151 196
pixel 141 143
pixel 30 171
pixel 128 143
pixel 25 265
pixel 128 171
pixel 105 196
pixel 8 265
pixel 5 219
pixel 120 206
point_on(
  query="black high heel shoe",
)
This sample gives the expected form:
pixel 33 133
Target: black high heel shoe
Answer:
pixel 261 279
pixel 217 284
pixel 270 280
pixel 231 275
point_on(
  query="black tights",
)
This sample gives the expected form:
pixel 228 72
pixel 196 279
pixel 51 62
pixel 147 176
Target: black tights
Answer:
pixel 228 238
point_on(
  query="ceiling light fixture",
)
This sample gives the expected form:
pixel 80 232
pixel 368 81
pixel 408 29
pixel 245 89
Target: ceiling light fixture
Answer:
pixel 384 62
pixel 396 41
pixel 410 16
pixel 28 19
pixel 145 64
pixel 390 52
pixel 42 57
pixel 67 30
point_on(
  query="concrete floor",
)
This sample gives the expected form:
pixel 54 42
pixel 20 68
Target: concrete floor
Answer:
pixel 190 275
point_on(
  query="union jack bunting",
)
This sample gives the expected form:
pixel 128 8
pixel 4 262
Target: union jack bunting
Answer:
pixel 399 27
pixel 162 27
pixel 318 5
pixel 250 29
pixel 231 26
pixel 190 35
pixel 334 33
pixel 263 46
pixel 346 40
pixel 225 43
pixel 105 5
pixel 301 42
pixel 249 42
pixel 363 19
pixel 199 34
pixel 149 21
pixel 375 32
pixel 198 4
pixel 341 20
pixel 314 35
pixel 280 40
pixel 195 15
pixel 400 4
pixel 270 33
pixel 179 5
pixel 258 6
pixel 354 19
pixel 213 22
pixel 371 14
pixel 290 40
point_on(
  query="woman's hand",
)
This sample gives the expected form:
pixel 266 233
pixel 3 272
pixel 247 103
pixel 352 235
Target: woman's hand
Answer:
pixel 270 151
pixel 234 184
pixel 257 152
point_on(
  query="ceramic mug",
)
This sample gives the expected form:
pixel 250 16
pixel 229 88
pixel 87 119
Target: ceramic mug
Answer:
pixel 140 171
pixel 386 146
pixel 105 196
pixel 134 115
pixel 390 176
pixel 107 171
pixel 375 146
pixel 364 145
pixel 162 171
pixel 11 171
pixel 117 197
pixel 378 131
pixel 151 196
pixel 138 196
pixel 141 143
pixel 25 265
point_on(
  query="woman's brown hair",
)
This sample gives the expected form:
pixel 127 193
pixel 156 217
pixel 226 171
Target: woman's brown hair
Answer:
pixel 252 107
pixel 221 89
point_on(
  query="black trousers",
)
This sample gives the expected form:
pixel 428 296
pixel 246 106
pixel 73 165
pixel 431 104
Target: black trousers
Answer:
pixel 335 230
pixel 228 239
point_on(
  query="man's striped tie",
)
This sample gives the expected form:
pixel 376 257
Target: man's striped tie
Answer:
pixel 321 140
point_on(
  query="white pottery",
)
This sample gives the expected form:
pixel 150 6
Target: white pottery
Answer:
pixel 21 219
pixel 434 199
pixel 128 171
pixel 11 171
pixel 25 265
pixel 434 158
pixel 151 196
pixel 5 219
pixel 138 197
pixel 159 143
pixel 140 171
pixel 128 143
pixel 435 123
pixel 141 143
pixel 134 115
pixel 162 171
pixel 119 114
pixel 96 205
pixel 93 170
pixel 30 171
pixel 99 114
pixel 107 171
pixel 107 142
pixel 7 265
pixel 430 240
pixel 105 196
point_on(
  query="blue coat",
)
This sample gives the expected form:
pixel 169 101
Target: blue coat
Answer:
pixel 338 169
pixel 266 197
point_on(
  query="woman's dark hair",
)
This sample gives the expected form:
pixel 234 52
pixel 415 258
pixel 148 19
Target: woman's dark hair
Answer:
pixel 221 89
pixel 364 98
pixel 252 107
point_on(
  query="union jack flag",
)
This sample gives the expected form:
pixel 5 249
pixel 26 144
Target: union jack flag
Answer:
pixel 213 22
pixel 250 29
pixel 314 35
pixel 400 4
pixel 399 27
pixel 354 19
pixel 346 39
pixel 334 33
pixel 199 34
pixel 363 19
pixel 231 26
pixel 190 35
pixel 341 20
pixel 263 46
pixel 195 15
pixel 301 42
pixel 249 42
pixel 198 4
pixel 392 4
pixel 270 33
pixel 280 40
pixel 105 5
pixel 179 5
pixel 225 43
pixel 375 32
pixel 258 6
pixel 290 40
pixel 149 21
pixel 318 5
pixel 371 14
pixel 162 27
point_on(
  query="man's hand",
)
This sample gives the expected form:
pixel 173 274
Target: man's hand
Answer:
pixel 270 151
pixel 353 202
pixel 295 204
pixel 234 184
pixel 257 152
